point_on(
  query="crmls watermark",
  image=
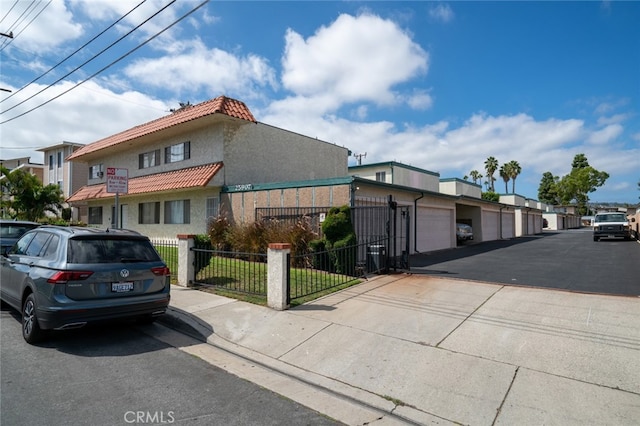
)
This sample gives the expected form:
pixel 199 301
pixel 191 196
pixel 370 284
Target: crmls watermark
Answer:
pixel 149 417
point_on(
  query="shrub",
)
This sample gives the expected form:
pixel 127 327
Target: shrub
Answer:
pixel 202 258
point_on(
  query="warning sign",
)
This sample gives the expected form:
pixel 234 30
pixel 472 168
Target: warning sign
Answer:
pixel 117 180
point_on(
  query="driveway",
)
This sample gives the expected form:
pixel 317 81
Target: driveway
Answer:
pixel 566 260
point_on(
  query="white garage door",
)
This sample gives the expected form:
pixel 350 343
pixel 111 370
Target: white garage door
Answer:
pixel 490 225
pixel 508 225
pixel 435 229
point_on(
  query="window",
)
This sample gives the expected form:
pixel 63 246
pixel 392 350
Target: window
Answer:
pixel 96 172
pixel 59 159
pixel 95 215
pixel 149 159
pixel 149 213
pixel 177 211
pixel 37 244
pixel 381 176
pixel 213 208
pixel 177 152
pixel 51 162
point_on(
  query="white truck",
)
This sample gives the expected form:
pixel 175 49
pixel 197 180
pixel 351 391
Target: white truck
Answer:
pixel 611 225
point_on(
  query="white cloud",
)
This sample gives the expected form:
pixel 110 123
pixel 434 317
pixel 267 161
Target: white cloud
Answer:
pixel 212 70
pixel 617 118
pixel 353 59
pixel 606 135
pixel 441 12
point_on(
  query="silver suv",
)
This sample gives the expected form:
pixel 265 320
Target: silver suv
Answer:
pixel 65 277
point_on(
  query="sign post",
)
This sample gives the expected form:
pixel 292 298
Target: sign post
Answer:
pixel 117 182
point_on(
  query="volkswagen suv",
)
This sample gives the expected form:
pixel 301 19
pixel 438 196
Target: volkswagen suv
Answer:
pixel 66 277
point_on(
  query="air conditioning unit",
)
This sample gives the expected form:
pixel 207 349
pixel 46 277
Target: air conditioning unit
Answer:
pixel 100 175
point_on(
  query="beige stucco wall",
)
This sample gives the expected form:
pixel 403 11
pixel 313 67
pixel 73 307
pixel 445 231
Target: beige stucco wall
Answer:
pixel 460 187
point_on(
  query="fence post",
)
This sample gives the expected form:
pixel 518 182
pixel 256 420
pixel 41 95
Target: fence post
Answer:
pixel 186 257
pixel 277 273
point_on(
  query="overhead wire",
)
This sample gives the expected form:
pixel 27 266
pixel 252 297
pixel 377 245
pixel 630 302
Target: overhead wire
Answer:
pixel 90 59
pixel 112 63
pixel 18 19
pixel 76 51
pixel 9 11
pixel 25 27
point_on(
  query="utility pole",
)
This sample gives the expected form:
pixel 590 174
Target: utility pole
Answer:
pixel 10 35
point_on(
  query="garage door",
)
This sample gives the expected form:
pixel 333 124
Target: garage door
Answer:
pixel 490 225
pixel 435 229
pixel 508 225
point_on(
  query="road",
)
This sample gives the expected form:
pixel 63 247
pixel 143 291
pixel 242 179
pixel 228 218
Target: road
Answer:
pixel 567 260
pixel 119 375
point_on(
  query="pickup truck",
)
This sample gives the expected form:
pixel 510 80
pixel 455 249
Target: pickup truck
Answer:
pixel 611 225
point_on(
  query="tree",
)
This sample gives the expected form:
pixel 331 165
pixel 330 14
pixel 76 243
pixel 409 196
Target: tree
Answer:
pixel 547 191
pixel 491 165
pixel 27 198
pixel 505 174
pixel 475 175
pixel 583 179
pixel 514 171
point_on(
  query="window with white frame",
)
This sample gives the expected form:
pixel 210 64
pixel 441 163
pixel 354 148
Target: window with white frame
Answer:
pixel 96 171
pixel 381 176
pixel 59 159
pixel 149 159
pixel 177 212
pixel 178 152
pixel 95 215
pixel 149 213
pixel 51 162
pixel 213 207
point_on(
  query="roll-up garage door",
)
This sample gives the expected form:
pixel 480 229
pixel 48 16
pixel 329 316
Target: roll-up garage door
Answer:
pixel 435 229
pixel 490 225
pixel 508 225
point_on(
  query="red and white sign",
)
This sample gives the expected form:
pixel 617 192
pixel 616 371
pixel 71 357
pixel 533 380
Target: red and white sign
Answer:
pixel 117 180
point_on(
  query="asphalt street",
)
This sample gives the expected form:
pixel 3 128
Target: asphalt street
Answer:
pixel 117 374
pixel 566 260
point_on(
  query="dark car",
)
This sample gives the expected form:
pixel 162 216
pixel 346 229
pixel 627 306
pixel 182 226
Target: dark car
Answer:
pixel 66 277
pixel 11 230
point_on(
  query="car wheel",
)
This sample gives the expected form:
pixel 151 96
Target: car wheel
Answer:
pixel 30 328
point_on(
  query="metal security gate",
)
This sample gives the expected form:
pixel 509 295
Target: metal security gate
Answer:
pixel 383 230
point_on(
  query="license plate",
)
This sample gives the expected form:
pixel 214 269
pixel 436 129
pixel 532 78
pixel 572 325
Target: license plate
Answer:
pixel 121 287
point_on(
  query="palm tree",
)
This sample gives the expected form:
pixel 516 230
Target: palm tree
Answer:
pixel 505 174
pixel 514 171
pixel 491 165
pixel 475 175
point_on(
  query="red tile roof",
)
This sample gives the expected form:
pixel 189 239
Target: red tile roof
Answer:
pixel 219 105
pixel 192 177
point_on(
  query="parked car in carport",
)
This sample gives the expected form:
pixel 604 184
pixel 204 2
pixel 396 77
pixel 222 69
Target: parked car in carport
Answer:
pixel 464 232
pixel 66 277
pixel 11 230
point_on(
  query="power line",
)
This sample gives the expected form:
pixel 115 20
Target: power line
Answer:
pixel 20 18
pixel 112 63
pixel 8 12
pixel 91 59
pixel 26 26
pixel 76 51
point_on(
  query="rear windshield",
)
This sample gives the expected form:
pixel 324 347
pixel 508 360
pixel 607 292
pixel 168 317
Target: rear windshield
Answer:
pixel 616 217
pixel 110 250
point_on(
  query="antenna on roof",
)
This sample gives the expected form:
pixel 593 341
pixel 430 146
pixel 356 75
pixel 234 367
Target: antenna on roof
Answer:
pixel 183 105
pixel 359 157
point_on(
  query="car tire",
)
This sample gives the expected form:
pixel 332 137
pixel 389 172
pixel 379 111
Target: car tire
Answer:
pixel 31 331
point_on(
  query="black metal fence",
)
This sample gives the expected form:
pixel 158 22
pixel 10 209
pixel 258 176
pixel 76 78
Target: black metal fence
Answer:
pixel 168 251
pixel 316 272
pixel 231 271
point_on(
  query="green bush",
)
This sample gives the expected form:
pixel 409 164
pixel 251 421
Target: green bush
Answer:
pixel 202 258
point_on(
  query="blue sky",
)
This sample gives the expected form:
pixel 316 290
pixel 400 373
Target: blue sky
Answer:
pixel 436 85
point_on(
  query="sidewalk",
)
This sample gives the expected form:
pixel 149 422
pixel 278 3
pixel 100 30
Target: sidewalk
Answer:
pixel 417 349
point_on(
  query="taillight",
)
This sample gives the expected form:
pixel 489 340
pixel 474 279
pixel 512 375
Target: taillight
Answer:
pixel 161 270
pixel 63 277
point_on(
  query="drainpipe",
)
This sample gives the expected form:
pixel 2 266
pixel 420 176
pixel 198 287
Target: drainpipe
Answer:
pixel 415 221
pixel 501 237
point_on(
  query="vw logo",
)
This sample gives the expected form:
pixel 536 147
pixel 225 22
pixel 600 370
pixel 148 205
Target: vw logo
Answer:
pixel 124 273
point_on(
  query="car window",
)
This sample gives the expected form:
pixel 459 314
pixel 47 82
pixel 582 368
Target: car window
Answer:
pixel 52 247
pixel 21 245
pixel 37 244
pixel 10 230
pixel 105 250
